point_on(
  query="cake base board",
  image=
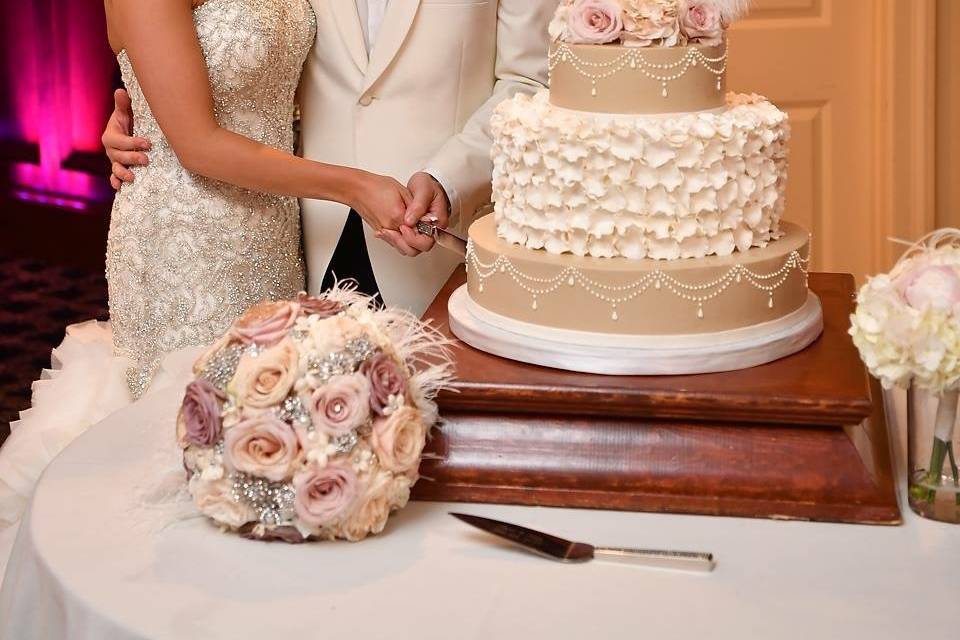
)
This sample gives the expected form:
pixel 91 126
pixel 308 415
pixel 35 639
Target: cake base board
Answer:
pixel 612 354
pixel 802 438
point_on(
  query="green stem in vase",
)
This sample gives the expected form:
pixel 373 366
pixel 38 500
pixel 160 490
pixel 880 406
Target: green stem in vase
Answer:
pixel 954 469
pixel 942 446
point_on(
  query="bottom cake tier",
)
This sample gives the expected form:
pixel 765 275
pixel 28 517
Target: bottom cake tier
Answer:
pixel 636 317
pixel 638 297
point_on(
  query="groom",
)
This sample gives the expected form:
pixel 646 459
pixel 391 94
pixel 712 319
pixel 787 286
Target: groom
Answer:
pixel 404 88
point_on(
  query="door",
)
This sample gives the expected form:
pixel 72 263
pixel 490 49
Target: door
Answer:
pixel 857 78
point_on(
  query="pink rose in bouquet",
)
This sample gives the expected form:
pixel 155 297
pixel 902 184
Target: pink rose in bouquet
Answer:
pixel 266 324
pixel 341 405
pixel 200 422
pixel 321 307
pixel 326 496
pixel 262 445
pixel 398 440
pixel 594 21
pixel 386 381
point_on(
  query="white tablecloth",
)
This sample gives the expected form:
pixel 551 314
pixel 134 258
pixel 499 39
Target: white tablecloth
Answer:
pixel 92 562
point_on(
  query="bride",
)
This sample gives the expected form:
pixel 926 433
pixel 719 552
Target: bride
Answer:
pixel 195 240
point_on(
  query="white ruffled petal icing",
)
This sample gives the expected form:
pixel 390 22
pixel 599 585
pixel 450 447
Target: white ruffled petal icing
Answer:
pixel 665 187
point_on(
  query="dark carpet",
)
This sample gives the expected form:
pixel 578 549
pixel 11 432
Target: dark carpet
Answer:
pixel 37 301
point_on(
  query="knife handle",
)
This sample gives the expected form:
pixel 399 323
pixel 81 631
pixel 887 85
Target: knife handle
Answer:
pixel 679 560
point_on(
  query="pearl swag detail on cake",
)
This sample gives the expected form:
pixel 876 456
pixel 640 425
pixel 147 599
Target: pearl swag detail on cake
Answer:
pixel 636 60
pixel 616 295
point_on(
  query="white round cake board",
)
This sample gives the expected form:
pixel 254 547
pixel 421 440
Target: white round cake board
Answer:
pixel 618 354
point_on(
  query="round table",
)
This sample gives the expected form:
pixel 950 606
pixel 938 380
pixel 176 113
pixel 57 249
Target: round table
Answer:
pixel 93 560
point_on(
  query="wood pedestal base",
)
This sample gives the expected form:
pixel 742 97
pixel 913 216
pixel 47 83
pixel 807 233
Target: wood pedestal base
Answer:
pixel 801 438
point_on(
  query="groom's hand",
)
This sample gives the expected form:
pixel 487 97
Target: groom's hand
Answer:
pixel 428 200
pixel 123 149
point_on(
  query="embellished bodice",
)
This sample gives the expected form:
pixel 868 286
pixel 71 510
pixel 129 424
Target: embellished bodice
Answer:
pixel 186 254
pixel 254 51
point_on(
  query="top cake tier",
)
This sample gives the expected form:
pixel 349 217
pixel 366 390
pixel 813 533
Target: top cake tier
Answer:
pixel 637 80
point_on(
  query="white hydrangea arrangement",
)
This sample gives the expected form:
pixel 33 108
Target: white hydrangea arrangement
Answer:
pixel 907 329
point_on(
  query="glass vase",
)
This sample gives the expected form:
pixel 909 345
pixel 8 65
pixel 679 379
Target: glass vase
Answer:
pixel 933 449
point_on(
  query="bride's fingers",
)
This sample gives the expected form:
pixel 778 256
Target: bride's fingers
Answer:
pixel 396 240
pixel 416 240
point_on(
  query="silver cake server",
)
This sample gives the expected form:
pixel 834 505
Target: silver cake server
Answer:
pixel 446 239
pixel 573 552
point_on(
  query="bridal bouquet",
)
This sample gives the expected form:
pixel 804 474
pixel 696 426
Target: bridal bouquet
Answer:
pixel 907 328
pixel 645 23
pixel 308 419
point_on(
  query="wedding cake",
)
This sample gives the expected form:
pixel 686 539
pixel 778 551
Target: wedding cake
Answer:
pixel 638 206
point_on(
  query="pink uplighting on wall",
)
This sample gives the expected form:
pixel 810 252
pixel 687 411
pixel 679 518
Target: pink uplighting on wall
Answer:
pixel 58 74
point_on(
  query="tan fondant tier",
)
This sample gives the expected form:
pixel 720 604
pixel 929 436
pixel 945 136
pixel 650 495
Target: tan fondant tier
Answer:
pixel 617 79
pixel 638 297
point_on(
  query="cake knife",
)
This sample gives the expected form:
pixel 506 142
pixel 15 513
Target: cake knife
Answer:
pixel 446 239
pixel 576 552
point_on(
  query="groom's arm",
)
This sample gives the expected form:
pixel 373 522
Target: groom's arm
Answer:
pixel 463 165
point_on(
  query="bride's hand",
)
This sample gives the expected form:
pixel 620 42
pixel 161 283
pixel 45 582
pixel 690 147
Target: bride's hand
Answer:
pixel 381 201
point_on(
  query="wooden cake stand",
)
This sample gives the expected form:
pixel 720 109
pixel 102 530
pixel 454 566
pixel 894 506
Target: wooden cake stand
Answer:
pixel 802 438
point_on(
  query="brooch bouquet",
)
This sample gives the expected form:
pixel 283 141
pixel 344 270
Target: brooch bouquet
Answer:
pixel 308 419
pixel 907 329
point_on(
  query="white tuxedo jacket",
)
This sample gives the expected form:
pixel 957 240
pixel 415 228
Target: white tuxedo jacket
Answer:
pixel 422 100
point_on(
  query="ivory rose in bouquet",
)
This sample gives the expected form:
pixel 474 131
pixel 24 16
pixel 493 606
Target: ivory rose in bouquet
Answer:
pixel 308 419
pixel 907 328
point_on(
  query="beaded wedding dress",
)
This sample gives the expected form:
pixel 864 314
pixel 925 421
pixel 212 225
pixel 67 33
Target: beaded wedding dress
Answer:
pixel 185 255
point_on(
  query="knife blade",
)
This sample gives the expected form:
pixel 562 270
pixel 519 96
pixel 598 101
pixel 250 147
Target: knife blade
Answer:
pixel 446 239
pixel 557 548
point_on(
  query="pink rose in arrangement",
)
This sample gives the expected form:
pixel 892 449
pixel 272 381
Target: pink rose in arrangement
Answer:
pixel 323 307
pixel 595 21
pixel 200 419
pixel 264 380
pixel 266 324
pixel 262 445
pixel 386 380
pixel 325 497
pixel 701 22
pixel 398 440
pixel 931 286
pixel 341 405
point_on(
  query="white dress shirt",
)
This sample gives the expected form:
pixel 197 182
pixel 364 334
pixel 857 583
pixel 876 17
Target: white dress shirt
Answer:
pixel 371 14
pixel 371 17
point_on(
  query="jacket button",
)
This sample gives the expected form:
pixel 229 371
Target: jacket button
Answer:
pixel 366 101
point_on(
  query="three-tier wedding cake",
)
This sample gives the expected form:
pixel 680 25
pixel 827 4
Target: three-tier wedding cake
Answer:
pixel 638 205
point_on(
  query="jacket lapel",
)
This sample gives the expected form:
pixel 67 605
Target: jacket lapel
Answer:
pixel 348 22
pixel 396 25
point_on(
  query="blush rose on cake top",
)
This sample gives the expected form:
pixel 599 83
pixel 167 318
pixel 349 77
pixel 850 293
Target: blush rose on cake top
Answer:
pixel 308 418
pixel 645 23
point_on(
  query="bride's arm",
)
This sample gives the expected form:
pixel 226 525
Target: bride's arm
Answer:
pixel 161 41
